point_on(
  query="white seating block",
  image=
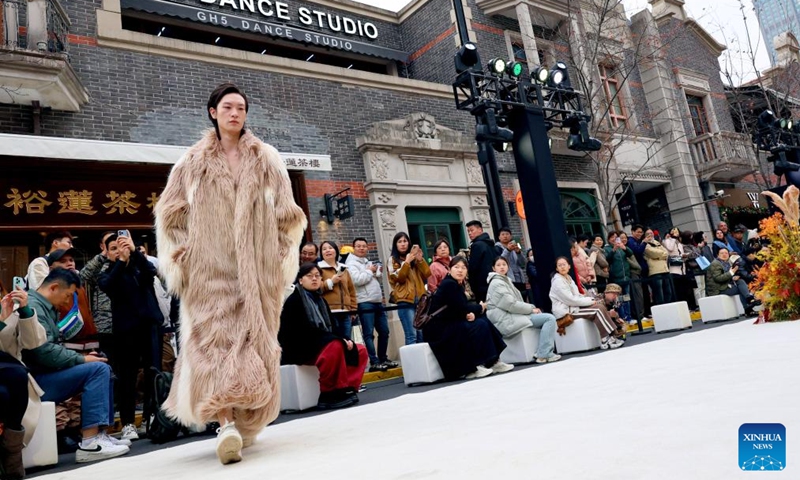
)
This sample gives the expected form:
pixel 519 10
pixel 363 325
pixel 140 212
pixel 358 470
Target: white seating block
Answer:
pixel 581 336
pixel 419 364
pixel 43 447
pixel 521 348
pixel 671 316
pixel 720 307
pixel 299 387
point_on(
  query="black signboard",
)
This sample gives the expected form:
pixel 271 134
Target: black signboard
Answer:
pixel 274 30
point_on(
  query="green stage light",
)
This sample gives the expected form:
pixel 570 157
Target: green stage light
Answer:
pixel 514 69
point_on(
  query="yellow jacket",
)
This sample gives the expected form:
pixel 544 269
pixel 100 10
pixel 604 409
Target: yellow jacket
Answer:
pixel 408 280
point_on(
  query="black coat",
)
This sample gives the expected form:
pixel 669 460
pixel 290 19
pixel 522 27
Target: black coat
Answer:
pixel 129 286
pixel 482 253
pixel 460 345
pixel 300 338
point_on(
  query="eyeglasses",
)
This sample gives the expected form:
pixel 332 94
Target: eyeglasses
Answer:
pixel 313 277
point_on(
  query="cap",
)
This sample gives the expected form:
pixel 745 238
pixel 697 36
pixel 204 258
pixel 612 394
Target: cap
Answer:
pixel 613 288
pixel 56 255
pixel 740 228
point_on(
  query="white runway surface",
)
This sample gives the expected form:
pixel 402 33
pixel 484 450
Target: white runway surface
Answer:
pixel 669 409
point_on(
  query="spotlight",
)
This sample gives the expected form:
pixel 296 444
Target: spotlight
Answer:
pixel 540 74
pixel 496 66
pixel 501 146
pixel 559 76
pixel 782 164
pixel 490 132
pixel 467 58
pixel 765 119
pixel 579 139
pixel 514 69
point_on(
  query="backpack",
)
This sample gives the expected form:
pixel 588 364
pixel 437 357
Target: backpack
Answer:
pixel 422 315
pixel 161 428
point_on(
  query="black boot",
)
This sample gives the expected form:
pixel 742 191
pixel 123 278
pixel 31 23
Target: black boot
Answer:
pixel 11 454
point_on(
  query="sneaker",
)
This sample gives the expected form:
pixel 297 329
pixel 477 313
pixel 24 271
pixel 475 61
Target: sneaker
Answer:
pixel 552 358
pixel 391 364
pixel 336 399
pixel 480 372
pixel 610 342
pixel 380 367
pixel 103 437
pixel 129 432
pixel 98 449
pixel 633 322
pixel 502 367
pixel 229 444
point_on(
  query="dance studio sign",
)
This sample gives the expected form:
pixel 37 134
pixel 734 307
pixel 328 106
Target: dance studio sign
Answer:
pixel 270 9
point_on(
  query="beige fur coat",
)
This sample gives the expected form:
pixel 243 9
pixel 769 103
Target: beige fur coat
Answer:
pixel 228 248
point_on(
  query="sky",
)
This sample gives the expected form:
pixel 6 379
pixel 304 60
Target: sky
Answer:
pixel 721 18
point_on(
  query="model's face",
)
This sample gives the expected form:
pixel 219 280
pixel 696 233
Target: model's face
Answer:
pixel 562 266
pixel 505 237
pixel 724 255
pixel 402 245
pixel 62 244
pixel 500 267
pixel 360 249
pixel 459 271
pixel 308 254
pixel 311 281
pixel 598 242
pixel 328 253
pixel 66 262
pixel 230 114
pixel 473 231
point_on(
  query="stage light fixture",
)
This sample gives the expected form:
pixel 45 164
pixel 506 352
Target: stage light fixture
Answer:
pixel 501 146
pixel 559 76
pixel 514 69
pixel 579 139
pixel 496 66
pixel 781 162
pixel 467 58
pixel 540 74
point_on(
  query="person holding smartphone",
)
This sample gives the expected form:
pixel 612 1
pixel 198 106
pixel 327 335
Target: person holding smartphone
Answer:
pixel 338 289
pixel 408 272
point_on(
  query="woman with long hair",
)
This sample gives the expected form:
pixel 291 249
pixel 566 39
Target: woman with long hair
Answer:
pixel 307 338
pixel 465 342
pixel 568 301
pixel 338 288
pixel 440 266
pixel 720 241
pixel 408 273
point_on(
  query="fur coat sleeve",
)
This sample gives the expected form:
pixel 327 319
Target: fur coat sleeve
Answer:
pixel 172 212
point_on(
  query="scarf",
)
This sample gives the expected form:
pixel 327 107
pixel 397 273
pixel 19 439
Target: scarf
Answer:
pixel 725 245
pixel 315 309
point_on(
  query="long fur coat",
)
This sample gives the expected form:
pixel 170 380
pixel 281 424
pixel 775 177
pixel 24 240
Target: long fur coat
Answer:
pixel 228 247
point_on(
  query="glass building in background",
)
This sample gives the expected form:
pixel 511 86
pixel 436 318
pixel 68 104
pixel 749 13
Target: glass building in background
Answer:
pixel 776 17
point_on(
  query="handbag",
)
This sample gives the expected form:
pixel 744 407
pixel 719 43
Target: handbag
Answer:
pixel 563 323
pixel 422 315
pixel 675 261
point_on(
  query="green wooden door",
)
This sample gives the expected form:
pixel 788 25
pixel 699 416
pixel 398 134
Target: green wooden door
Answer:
pixel 426 226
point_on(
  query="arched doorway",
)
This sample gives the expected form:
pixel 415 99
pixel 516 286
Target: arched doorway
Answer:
pixel 580 213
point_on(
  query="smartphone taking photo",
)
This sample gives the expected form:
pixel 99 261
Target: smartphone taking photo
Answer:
pixel 18 284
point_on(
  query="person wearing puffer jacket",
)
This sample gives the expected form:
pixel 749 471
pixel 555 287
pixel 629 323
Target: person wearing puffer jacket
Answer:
pixel 660 281
pixel 338 289
pixel 508 312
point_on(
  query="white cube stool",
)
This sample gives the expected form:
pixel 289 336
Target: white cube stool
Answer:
pixel 419 364
pixel 521 348
pixel 671 316
pixel 43 447
pixel 737 302
pixel 299 387
pixel 719 308
pixel 581 336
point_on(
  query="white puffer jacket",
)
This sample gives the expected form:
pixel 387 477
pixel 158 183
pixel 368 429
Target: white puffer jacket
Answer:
pixel 565 296
pixel 504 306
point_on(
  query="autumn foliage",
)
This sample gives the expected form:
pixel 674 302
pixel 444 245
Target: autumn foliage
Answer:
pixel 777 283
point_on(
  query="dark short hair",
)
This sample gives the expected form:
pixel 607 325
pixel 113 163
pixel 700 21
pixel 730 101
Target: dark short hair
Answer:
pixel 582 238
pixel 697 237
pixel 458 259
pixel 53 236
pixel 598 235
pixel 638 226
pixel 360 239
pixel 332 244
pixel 498 258
pixel 306 268
pixel 723 248
pixel 612 233
pixel 475 223
pixel 107 232
pixel 503 229
pixel 307 243
pixel 112 238
pixel 686 237
pixel 395 251
pixel 216 97
pixel 63 277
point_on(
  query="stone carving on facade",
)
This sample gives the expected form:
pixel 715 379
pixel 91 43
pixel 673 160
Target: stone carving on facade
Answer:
pixel 385 198
pixel 479 200
pixel 483 217
pixel 387 218
pixel 380 166
pixel 474 174
pixel 422 125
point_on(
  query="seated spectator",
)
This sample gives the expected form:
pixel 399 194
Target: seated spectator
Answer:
pixel 338 289
pixel 660 280
pixel 129 283
pixel 63 373
pixel 440 266
pixel 308 252
pixel 720 241
pixel 307 338
pixel 38 268
pixel 722 279
pixel 736 239
pixel 614 307
pixel 79 304
pixel 464 342
pixel 408 272
pixel 567 301
pixel 366 278
pixel 509 313
pixel 19 393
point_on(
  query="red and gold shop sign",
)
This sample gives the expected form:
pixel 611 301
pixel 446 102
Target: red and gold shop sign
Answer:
pixel 93 200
